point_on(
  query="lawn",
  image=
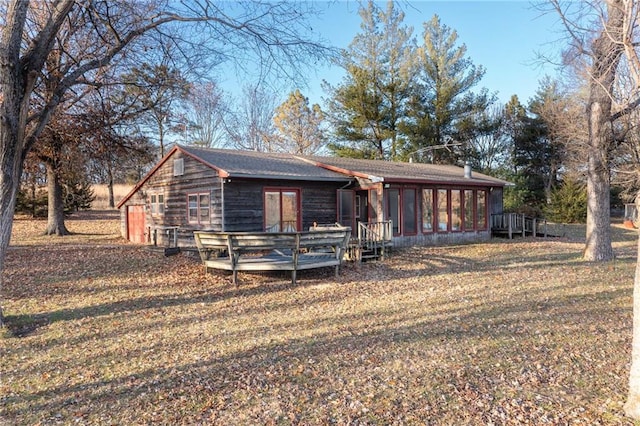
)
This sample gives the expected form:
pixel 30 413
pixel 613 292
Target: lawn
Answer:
pixel 507 332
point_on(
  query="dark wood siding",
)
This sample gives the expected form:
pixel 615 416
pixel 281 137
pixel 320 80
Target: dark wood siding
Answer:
pixel 244 203
pixel 197 178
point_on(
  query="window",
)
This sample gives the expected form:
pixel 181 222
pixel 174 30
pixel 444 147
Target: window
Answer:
pixel 481 209
pixel 199 208
pixel 393 209
pixel 456 211
pixel 443 210
pixel 427 210
pixel 409 218
pixel 468 210
pixel 281 208
pixel 157 204
pixel 178 167
pixel 358 206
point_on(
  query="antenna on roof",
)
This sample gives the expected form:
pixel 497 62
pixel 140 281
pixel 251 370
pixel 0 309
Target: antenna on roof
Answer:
pixel 432 148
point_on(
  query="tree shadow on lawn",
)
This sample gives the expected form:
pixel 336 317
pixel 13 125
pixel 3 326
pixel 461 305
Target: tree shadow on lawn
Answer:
pixel 24 325
pixel 404 264
pixel 354 360
pixel 435 264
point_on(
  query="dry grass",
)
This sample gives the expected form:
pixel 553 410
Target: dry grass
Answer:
pixel 101 192
pixel 509 332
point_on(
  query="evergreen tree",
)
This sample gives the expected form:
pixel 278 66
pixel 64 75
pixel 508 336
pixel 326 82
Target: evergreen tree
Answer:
pixel 368 106
pixel 568 202
pixel 443 99
pixel 539 153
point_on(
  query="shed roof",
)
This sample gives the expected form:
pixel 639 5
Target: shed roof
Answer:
pixel 399 172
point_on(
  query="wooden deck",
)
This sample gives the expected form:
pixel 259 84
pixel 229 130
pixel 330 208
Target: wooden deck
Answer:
pixel 515 224
pixel 272 251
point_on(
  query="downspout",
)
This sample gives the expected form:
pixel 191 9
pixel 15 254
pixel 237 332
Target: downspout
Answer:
pixel 222 204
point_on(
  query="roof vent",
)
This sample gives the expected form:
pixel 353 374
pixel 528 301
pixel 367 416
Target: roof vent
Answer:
pixel 467 170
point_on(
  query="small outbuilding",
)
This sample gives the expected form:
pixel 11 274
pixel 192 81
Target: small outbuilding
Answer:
pixel 227 190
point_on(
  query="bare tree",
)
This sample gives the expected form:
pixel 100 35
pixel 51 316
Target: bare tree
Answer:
pixel 250 126
pixel 602 38
pixel 206 105
pixel 156 88
pixel 485 135
pixel 106 31
pixel 605 36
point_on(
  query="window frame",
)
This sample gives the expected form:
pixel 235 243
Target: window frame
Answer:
pixel 178 167
pixel 403 212
pixel 484 211
pixel 280 191
pixel 453 193
pixel 397 229
pixel 432 229
pixel 438 211
pixel 156 203
pixel 198 208
pixel 469 212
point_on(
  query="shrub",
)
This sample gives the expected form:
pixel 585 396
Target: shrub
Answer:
pixel 568 202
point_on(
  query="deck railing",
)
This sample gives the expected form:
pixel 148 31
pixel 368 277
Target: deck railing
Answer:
pixel 516 223
pixel 374 232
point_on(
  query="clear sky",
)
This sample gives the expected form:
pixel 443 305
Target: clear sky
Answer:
pixel 502 36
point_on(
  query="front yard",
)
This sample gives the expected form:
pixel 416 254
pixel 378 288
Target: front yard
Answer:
pixel 508 332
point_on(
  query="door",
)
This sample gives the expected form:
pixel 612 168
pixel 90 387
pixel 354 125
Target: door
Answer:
pixel 346 208
pixel 362 206
pixel 136 224
pixel 282 210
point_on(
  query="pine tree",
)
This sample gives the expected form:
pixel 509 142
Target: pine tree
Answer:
pixel 368 106
pixel 443 97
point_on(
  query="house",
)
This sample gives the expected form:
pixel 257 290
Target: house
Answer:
pixel 226 190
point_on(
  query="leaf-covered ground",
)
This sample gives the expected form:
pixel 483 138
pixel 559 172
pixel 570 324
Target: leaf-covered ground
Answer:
pixel 503 333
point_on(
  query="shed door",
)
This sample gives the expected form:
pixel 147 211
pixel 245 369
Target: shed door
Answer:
pixel 136 224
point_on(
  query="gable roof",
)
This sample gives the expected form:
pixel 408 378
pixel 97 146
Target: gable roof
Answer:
pixel 261 165
pixel 266 165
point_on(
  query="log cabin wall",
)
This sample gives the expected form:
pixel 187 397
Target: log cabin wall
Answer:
pixel 196 178
pixel 244 202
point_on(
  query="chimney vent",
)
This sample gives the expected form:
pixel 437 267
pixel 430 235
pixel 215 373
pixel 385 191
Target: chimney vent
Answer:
pixel 467 170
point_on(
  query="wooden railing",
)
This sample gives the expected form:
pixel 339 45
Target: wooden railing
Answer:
pixel 516 223
pixel 374 232
pixel 370 241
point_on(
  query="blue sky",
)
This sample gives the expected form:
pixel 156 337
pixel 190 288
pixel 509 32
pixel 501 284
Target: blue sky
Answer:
pixel 502 36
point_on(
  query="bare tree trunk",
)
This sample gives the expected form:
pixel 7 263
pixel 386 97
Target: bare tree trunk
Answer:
pixel 632 406
pixel 112 201
pixel 606 57
pixel 11 168
pixel 55 213
pixel 598 239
